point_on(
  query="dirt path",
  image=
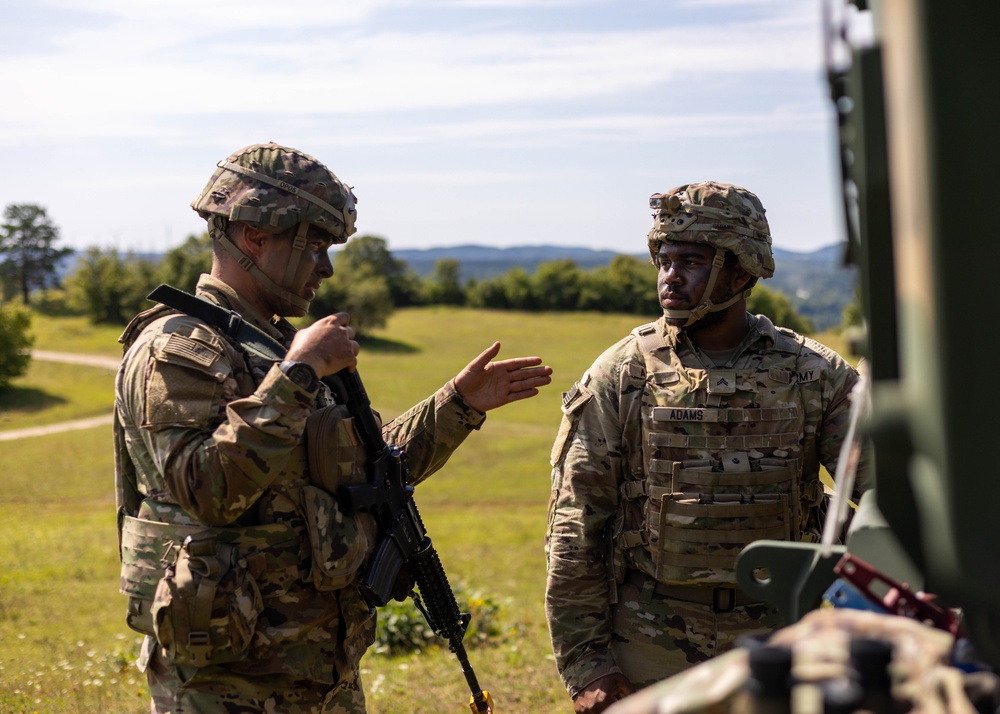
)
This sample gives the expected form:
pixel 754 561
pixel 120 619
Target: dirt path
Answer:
pixel 72 358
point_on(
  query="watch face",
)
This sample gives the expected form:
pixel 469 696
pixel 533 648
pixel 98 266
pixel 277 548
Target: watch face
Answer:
pixel 302 375
pixel 299 375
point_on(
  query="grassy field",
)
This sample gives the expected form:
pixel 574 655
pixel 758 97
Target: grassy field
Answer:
pixel 64 646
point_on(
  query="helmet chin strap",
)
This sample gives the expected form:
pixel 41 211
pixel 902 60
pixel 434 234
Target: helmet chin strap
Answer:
pixel 289 304
pixel 706 306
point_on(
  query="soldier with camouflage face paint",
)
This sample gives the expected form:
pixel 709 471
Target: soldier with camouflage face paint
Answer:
pixel 239 563
pixel 685 441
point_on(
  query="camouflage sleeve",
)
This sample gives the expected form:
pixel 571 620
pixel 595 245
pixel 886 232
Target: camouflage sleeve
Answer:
pixel 431 431
pixel 838 402
pixel 587 468
pixel 214 452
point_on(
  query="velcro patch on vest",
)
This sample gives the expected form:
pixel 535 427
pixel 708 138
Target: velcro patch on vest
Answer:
pixel 780 375
pixel 722 381
pixel 747 442
pixel 192 350
pixel 575 398
pixel 667 376
pixel 681 414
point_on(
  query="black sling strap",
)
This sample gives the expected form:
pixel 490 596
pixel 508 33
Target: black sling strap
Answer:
pixel 229 322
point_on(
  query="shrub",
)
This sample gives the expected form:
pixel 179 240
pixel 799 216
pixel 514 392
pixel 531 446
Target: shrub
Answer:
pixel 53 303
pixel 403 628
pixel 14 342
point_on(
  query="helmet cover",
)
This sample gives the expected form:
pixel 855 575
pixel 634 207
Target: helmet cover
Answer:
pixel 273 188
pixel 720 214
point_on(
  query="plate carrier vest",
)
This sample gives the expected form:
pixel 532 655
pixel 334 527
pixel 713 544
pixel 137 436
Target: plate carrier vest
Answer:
pixel 722 452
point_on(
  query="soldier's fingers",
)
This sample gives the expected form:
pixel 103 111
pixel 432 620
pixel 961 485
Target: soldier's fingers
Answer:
pixel 484 357
pixel 531 383
pixel 518 363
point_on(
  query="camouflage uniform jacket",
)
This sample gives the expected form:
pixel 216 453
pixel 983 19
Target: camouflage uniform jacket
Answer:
pixel 208 434
pixel 600 446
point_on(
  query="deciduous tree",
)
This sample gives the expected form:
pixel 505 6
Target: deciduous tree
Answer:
pixel 615 287
pixel 181 266
pixel 109 288
pixel 778 308
pixel 29 259
pixel 444 285
pixel 556 285
pixel 369 256
pixel 361 285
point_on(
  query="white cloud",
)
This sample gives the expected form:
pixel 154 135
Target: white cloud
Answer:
pixel 147 95
pixel 88 91
pixel 194 18
pixel 554 132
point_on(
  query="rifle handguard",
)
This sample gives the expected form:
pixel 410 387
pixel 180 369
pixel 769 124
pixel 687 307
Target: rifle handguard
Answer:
pixel 442 610
pixel 402 537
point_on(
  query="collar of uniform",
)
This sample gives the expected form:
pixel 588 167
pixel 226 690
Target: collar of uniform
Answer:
pixel 761 328
pixel 222 294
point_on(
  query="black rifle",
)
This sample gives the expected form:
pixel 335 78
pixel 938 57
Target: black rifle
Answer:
pixel 403 542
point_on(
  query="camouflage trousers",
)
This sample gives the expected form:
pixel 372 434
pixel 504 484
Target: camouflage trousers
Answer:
pixel 212 690
pixel 656 636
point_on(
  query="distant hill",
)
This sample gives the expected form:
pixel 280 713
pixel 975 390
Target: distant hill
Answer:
pixel 479 261
pixel 816 282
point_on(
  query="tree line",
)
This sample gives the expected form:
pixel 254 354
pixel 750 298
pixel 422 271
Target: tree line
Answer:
pixel 368 282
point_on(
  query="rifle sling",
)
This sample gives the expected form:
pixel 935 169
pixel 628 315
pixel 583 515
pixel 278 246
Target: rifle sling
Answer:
pixel 229 322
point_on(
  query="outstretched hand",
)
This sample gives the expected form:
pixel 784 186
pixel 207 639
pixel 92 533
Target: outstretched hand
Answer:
pixel 486 385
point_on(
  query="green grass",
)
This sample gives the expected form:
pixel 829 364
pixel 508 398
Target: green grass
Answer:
pixel 75 334
pixel 53 392
pixel 64 646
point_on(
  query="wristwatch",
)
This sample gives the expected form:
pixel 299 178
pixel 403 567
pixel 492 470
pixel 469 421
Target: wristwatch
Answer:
pixel 300 373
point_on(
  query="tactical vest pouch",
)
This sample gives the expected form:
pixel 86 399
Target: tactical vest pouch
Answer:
pixel 334 449
pixel 704 518
pixel 206 605
pixel 148 548
pixel 339 541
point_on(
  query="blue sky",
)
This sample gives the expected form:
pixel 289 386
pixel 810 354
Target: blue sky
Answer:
pixel 494 122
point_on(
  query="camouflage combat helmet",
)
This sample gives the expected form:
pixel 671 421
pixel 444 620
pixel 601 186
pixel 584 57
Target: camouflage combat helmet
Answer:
pixel 727 217
pixel 272 189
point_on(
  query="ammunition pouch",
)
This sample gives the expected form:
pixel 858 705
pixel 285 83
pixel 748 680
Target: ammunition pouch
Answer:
pixel 339 541
pixel 198 590
pixel 701 519
pixel 335 451
pixel 206 605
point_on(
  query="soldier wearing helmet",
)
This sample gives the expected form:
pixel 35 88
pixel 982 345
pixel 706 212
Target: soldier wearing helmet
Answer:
pixel 240 566
pixel 691 437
